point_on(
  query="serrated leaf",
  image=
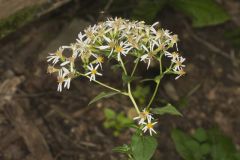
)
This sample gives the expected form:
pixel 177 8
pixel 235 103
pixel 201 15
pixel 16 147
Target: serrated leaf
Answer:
pixel 143 147
pixel 102 95
pixel 168 109
pixel 202 12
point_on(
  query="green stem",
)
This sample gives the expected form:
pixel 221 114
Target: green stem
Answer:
pixel 158 83
pixel 135 66
pixel 129 88
pixel 104 85
pixel 154 94
pixel 132 99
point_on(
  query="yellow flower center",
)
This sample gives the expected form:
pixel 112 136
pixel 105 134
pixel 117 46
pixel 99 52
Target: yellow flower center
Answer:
pixel 94 71
pixel 178 63
pixel 118 49
pixel 145 113
pixel 60 79
pixel 112 44
pixel 51 69
pixel 58 53
pixel 89 34
pixel 100 59
pixel 181 72
pixel 175 54
pixel 174 38
pixel 149 125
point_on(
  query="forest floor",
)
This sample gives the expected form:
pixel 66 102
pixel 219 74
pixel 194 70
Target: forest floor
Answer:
pixel 37 121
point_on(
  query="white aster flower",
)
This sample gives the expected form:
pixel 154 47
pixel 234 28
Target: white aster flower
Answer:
pixel 144 115
pixel 56 56
pixel 93 72
pixel 99 60
pixel 51 69
pixel 174 40
pixel 69 60
pixel 81 37
pixel 149 55
pixel 64 76
pixel 90 33
pixel 116 24
pixel 149 126
pixel 123 48
pixel 178 63
pixel 60 80
pixel 180 72
pixel 68 75
pixel 111 45
pixel 167 33
pixel 173 55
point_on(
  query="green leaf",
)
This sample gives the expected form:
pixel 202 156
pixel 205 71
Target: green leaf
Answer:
pixel 122 149
pixel 202 12
pixel 143 147
pixel 194 148
pixel 222 146
pixel 168 109
pixel 182 148
pixel 205 148
pixel 147 10
pixel 109 113
pixel 200 135
pixel 102 95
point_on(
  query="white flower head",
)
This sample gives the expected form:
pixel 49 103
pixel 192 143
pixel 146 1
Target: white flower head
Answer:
pixel 149 126
pixel 99 60
pixel 149 55
pixel 56 56
pixel 122 49
pixel 174 55
pixel 110 45
pixel 69 60
pixel 180 72
pixel 93 72
pixel 144 115
pixel 60 80
pixel 178 62
pixel 114 38
pixel 64 76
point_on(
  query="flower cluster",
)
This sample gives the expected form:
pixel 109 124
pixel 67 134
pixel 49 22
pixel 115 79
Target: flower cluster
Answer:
pixel 145 119
pixel 113 39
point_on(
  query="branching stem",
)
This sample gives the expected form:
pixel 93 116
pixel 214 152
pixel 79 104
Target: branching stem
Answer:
pixel 104 85
pixel 129 87
pixel 158 82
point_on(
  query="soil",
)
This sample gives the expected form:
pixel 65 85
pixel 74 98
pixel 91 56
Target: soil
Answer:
pixel 37 122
